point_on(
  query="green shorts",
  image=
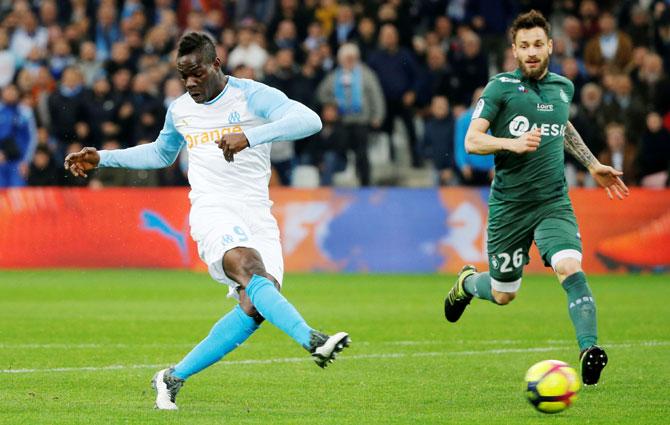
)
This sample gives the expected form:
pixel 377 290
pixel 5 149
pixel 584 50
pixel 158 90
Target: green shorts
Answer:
pixel 513 226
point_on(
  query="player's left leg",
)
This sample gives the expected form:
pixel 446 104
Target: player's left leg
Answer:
pixel 557 238
pixel 227 334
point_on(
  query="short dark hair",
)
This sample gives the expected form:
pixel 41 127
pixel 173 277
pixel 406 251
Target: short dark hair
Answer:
pixel 527 21
pixel 197 42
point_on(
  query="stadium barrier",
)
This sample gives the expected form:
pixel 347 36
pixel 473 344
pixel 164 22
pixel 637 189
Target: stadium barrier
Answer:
pixel 392 230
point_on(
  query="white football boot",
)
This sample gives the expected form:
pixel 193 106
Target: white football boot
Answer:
pixel 167 386
pixel 324 348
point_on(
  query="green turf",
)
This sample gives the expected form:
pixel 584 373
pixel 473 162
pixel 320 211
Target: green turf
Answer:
pixel 406 364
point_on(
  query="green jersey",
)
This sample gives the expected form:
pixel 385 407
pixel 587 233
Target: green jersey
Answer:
pixel 513 105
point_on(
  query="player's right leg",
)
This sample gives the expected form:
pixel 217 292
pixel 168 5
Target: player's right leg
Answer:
pixel 245 266
pixel 508 244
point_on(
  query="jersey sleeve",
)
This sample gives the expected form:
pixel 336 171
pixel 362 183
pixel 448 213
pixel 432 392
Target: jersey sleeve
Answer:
pixel 489 104
pixel 159 154
pixel 289 120
pixel 571 90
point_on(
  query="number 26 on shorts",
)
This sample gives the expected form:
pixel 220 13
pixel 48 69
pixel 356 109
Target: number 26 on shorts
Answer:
pixel 506 263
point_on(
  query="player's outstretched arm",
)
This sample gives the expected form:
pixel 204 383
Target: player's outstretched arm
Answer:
pixel 478 142
pixel 606 176
pixel 159 154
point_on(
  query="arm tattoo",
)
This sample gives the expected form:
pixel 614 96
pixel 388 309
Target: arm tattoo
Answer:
pixel 576 146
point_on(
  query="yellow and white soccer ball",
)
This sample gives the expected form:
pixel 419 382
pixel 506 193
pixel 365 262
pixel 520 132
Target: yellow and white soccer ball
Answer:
pixel 552 386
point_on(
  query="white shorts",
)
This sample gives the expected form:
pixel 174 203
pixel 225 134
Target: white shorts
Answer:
pixel 217 229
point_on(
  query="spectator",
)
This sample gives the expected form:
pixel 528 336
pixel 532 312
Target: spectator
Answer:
pixel 7 59
pixel 187 10
pixel 474 170
pixel 286 36
pixel 619 152
pixel 43 168
pixel 438 140
pixel 259 10
pixel 653 84
pixel 123 100
pixel 60 58
pixel 148 111
pixel 17 138
pixel 171 91
pixel 48 13
pixel 588 13
pixel 248 52
pixel 315 37
pixel 570 70
pixel 67 109
pixel 120 58
pixel 398 74
pixel 327 149
pixel 28 36
pixel 355 90
pixel 288 78
pixel 491 19
pixel 590 121
pixel 609 50
pixel 572 37
pixel 625 107
pixel 639 29
pixel 293 11
pixel 106 30
pixel 102 111
pixel 470 68
pixel 88 64
pixel 436 80
pixel 345 27
pixel 366 37
pixel 653 159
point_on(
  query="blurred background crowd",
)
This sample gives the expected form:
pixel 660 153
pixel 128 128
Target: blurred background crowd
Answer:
pixel 393 81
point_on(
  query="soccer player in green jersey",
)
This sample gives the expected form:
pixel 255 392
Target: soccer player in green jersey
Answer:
pixel 526 112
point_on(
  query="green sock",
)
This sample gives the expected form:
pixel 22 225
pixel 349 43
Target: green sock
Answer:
pixel 582 309
pixel 479 285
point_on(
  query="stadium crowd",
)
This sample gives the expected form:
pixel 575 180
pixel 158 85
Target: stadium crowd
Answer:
pixel 100 73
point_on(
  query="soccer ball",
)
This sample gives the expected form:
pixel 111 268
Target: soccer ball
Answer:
pixel 551 386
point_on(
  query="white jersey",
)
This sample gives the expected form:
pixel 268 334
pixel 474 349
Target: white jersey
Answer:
pixel 262 113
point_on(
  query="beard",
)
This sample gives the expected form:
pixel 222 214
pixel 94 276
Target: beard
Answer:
pixel 536 72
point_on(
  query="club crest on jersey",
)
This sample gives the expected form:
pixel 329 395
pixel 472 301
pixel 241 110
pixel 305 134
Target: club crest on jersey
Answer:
pixel 478 109
pixel 494 262
pixel 234 117
pixel 522 89
pixel 564 96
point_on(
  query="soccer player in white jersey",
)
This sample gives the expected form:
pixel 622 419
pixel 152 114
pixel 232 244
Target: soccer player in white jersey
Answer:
pixel 230 218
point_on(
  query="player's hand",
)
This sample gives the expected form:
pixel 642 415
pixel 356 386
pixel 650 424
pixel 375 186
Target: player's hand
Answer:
pixel 610 179
pixel 232 144
pixel 78 163
pixel 528 142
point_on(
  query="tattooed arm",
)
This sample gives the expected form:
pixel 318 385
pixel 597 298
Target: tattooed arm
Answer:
pixel 575 145
pixel 606 176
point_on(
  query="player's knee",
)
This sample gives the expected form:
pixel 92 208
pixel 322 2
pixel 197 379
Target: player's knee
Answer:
pixel 567 267
pixel 250 310
pixel 503 298
pixel 241 263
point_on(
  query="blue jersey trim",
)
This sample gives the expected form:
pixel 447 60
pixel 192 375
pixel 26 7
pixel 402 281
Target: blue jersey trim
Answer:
pixel 217 96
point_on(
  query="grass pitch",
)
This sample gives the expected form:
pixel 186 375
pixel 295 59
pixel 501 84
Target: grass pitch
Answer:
pixel 81 347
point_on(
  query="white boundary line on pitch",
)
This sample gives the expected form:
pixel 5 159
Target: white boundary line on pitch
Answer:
pixel 74 346
pixel 352 357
